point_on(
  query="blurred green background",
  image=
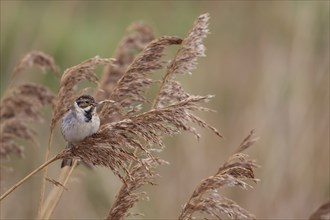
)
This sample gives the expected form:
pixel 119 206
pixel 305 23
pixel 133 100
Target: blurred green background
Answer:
pixel 267 63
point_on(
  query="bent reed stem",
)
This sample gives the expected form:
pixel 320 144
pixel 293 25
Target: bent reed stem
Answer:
pixel 29 176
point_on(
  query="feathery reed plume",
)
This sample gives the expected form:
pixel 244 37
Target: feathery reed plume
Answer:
pixel 129 89
pixel 322 213
pixel 192 47
pixel 172 92
pixel 138 36
pixel 127 196
pixel 25 101
pixel 11 129
pixel 185 61
pixel 20 107
pixel 38 59
pixel 235 171
pixel 70 78
pixel 154 124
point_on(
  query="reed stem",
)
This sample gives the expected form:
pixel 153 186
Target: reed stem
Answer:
pixel 56 198
pixel 29 176
pixel 43 180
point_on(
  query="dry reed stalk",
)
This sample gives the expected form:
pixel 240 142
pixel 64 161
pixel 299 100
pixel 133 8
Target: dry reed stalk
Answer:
pixel 206 199
pixel 43 180
pixel 322 213
pixel 138 36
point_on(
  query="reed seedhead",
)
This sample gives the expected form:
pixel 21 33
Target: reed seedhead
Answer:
pixel 37 59
pixel 17 110
pixel 127 197
pixel 192 47
pixel 207 201
pixel 184 62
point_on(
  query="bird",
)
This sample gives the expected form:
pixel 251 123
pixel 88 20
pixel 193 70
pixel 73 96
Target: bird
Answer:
pixel 79 122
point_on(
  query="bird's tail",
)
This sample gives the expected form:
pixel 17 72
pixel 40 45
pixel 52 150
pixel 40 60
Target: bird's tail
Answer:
pixel 66 162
